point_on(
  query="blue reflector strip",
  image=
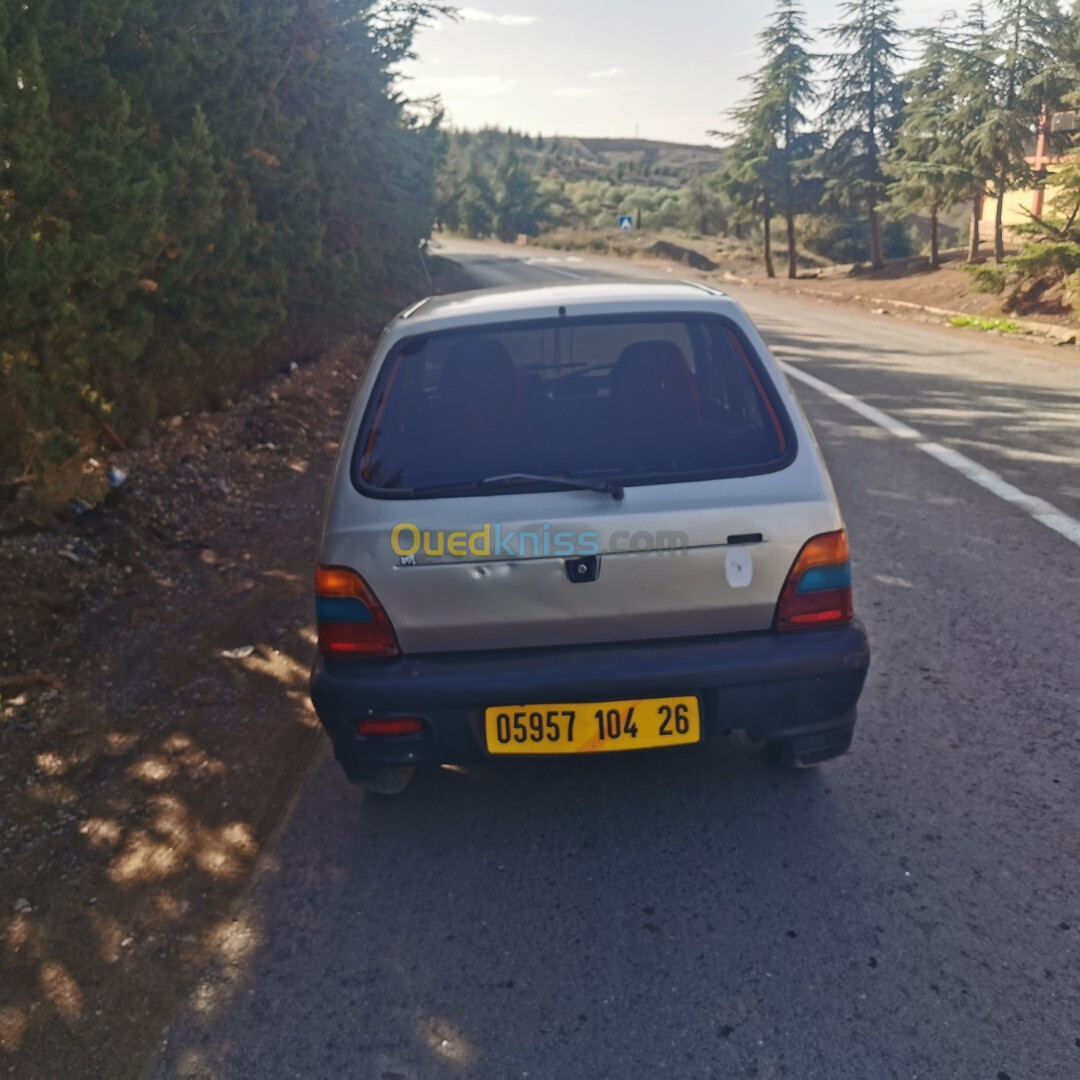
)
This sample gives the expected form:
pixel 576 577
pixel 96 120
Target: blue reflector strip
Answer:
pixel 821 578
pixel 341 609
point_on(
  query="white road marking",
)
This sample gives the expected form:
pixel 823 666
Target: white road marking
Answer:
pixel 876 416
pixel 1043 512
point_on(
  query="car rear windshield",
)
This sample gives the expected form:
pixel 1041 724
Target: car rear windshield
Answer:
pixel 630 401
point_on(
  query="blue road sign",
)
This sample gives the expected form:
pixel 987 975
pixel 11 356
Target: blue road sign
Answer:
pixel 626 221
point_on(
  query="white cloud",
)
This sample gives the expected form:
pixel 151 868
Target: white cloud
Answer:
pixel 473 15
pixel 607 73
pixel 574 91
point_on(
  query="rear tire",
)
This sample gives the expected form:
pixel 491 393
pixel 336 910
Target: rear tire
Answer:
pixel 809 751
pixel 386 780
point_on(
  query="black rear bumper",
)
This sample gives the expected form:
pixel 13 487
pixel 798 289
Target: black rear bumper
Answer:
pixel 772 686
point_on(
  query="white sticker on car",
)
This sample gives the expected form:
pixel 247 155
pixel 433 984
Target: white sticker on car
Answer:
pixel 740 568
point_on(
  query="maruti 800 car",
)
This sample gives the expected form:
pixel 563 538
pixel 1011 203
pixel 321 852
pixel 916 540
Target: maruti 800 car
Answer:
pixel 580 519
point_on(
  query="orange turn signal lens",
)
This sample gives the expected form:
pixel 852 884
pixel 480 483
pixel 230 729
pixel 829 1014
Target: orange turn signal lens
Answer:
pixel 351 621
pixel 817 592
pixel 338 583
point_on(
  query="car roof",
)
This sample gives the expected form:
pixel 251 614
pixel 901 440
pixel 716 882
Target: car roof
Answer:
pixel 522 303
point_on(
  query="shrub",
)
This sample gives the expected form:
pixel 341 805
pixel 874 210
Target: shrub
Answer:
pixel 845 239
pixel 976 322
pixel 1049 259
pixel 186 201
pixel 986 279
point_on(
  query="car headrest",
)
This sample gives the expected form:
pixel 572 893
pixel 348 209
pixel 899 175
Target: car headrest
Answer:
pixel 652 383
pixel 480 388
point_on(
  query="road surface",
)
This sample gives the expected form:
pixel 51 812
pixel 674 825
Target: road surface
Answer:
pixel 910 911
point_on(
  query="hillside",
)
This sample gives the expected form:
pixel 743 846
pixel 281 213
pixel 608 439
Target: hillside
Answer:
pixel 638 161
pixel 506 183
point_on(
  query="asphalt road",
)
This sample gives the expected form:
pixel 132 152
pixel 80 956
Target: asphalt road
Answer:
pixel 910 911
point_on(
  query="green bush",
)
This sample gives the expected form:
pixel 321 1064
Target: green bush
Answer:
pixel 1049 259
pixel 986 279
pixel 190 192
pixel 845 239
pixel 976 322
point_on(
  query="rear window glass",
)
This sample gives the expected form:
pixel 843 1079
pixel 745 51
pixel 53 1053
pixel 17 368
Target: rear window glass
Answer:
pixel 646 401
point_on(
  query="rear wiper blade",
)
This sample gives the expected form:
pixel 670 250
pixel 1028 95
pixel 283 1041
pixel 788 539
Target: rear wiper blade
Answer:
pixel 604 487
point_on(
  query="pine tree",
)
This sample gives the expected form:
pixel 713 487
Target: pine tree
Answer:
pixel 184 183
pixel 863 109
pixel 703 212
pixel 86 199
pixel 749 176
pixel 927 163
pixel 782 92
pixel 476 204
pixel 518 206
pixel 1059 224
pixel 1024 80
pixel 972 71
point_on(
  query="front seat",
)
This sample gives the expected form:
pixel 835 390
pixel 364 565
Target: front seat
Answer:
pixel 482 409
pixel 653 390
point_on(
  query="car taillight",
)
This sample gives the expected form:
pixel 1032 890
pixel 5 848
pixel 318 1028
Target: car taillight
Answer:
pixel 351 620
pixel 817 592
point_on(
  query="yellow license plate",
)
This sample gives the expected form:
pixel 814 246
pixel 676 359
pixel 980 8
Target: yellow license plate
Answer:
pixel 601 727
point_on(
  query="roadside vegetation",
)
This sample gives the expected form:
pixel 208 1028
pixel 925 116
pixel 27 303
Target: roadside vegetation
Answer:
pixel 192 195
pixel 508 184
pixel 890 139
pixel 975 322
pixel 858 143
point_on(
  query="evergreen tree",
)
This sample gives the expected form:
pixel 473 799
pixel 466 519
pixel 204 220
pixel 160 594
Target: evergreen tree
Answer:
pixel 184 183
pixel 476 204
pixel 518 206
pixel 863 110
pixel 749 177
pixel 972 71
pixel 782 92
pixel 84 207
pixel 703 211
pixel 1025 79
pixel 927 164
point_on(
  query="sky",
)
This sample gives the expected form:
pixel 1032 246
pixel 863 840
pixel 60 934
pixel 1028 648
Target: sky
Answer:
pixel 617 68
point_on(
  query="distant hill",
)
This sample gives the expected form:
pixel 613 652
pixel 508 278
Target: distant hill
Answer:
pixel 635 161
pixel 682 158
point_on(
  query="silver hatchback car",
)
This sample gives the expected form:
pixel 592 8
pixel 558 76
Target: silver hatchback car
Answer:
pixel 580 519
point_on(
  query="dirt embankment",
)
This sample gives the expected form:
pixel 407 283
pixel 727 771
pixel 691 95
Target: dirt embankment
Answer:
pixel 153 662
pixel 154 656
pixel 903 286
pixel 914 281
pixel 664 249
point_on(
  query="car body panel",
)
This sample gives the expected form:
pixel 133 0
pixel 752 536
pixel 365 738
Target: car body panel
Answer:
pixel 772 686
pixel 645 589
